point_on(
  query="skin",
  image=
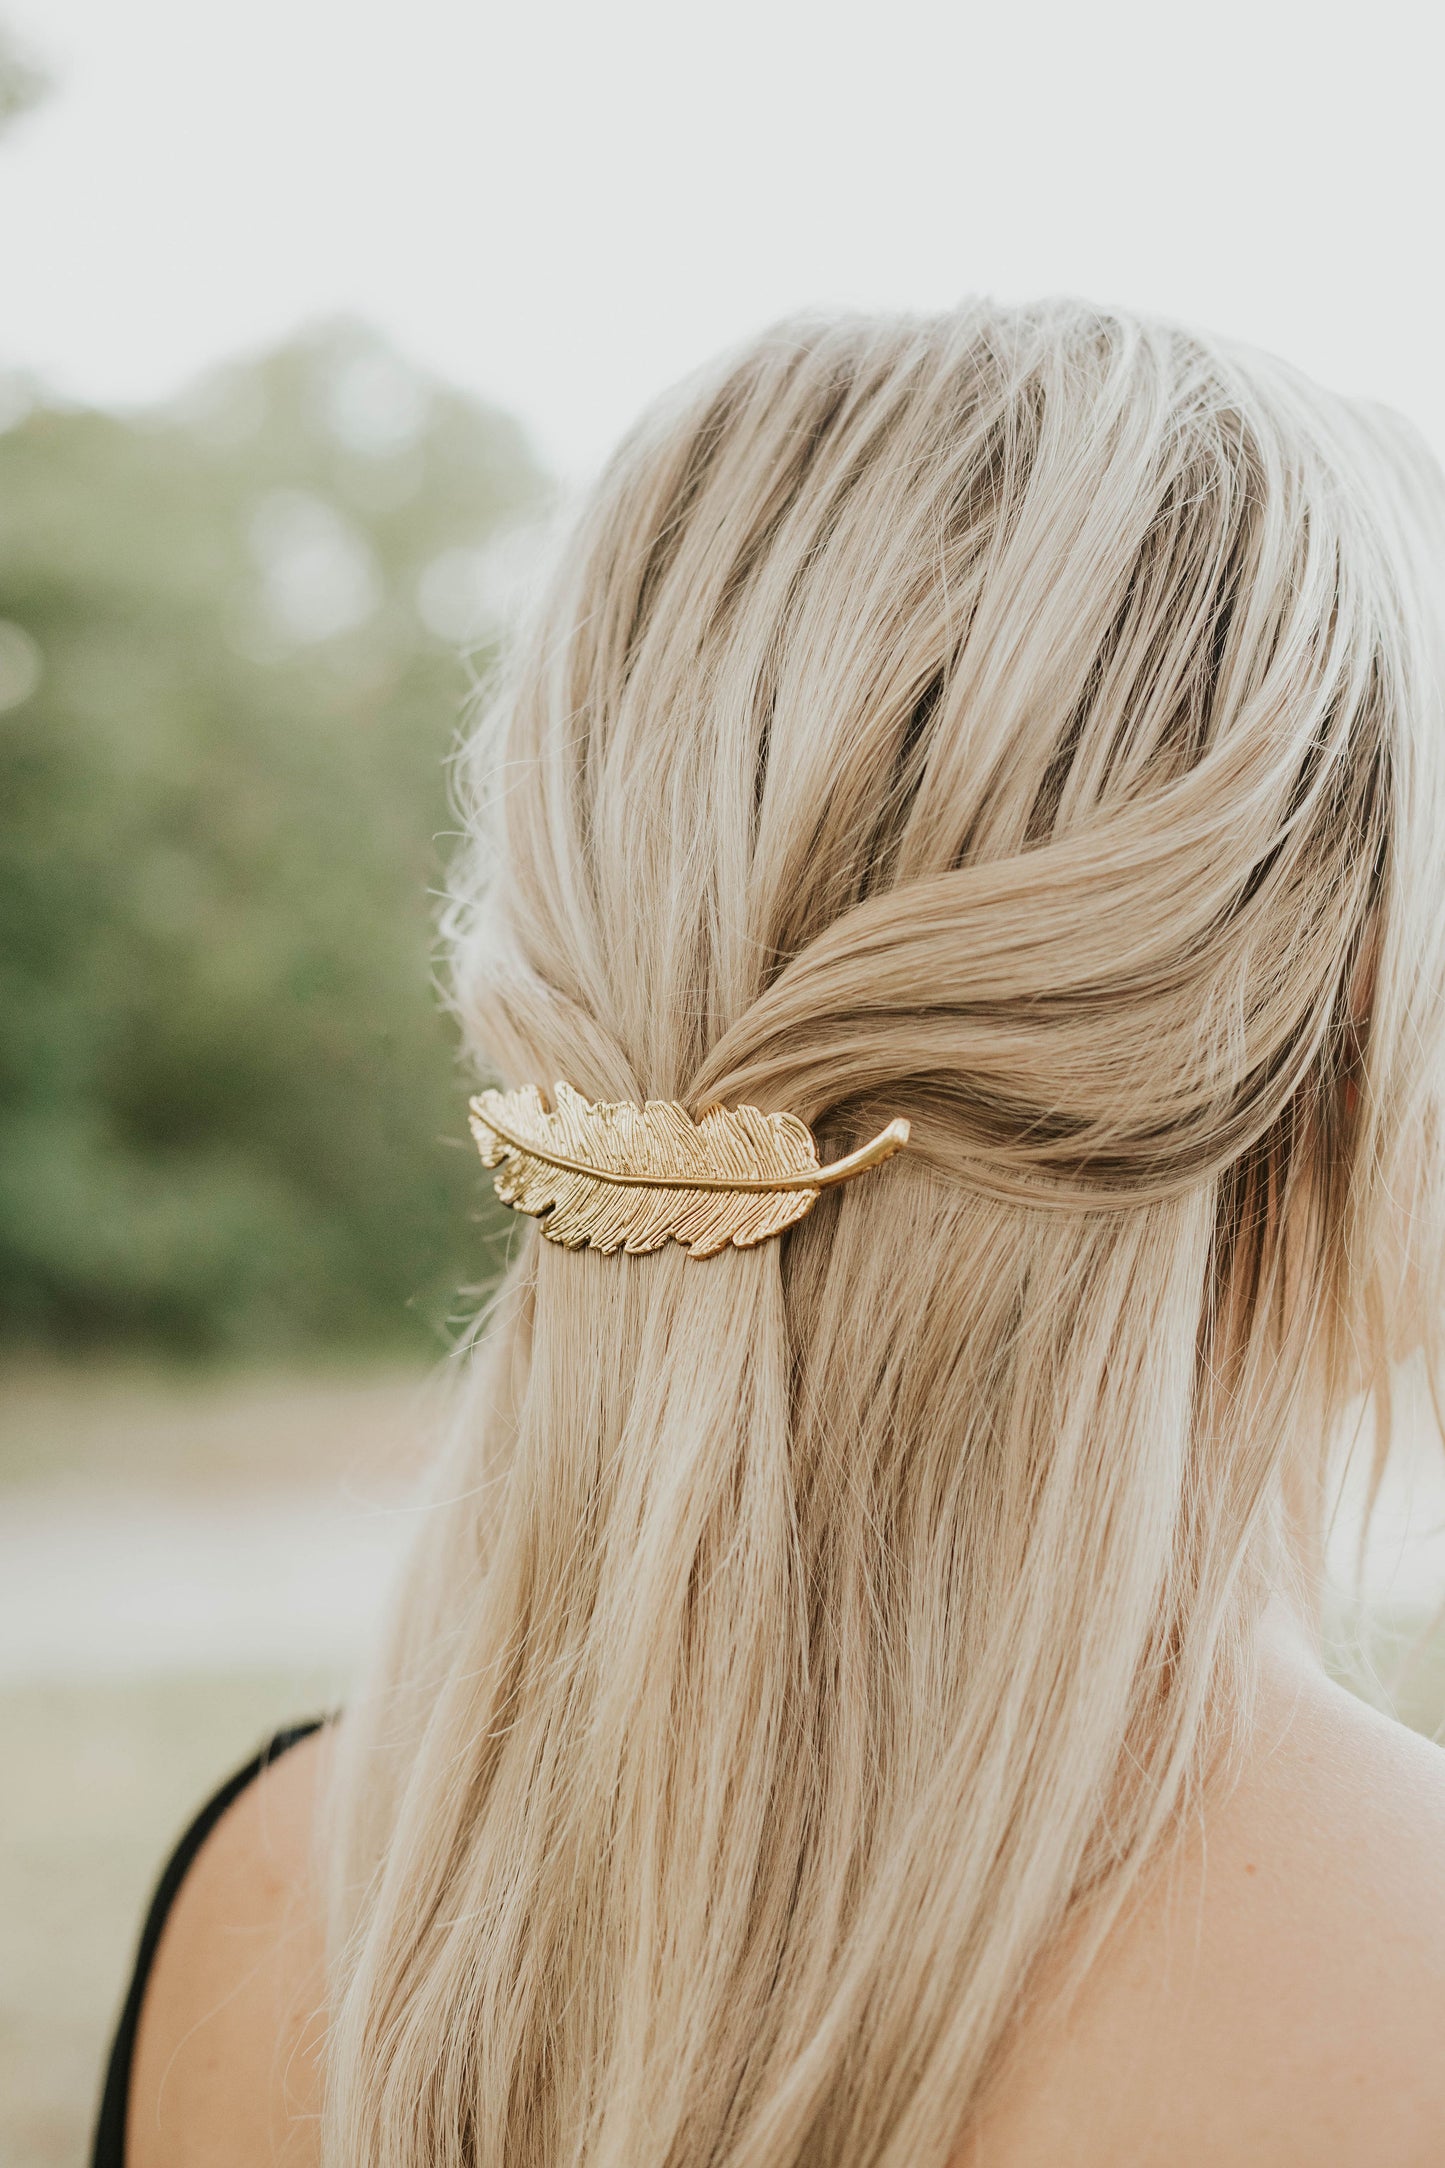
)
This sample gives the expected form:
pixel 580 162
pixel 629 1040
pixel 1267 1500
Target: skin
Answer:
pixel 1275 1996
pixel 227 2064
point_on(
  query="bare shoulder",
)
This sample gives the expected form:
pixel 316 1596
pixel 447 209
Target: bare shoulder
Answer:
pixel 226 2072
pixel 1277 1994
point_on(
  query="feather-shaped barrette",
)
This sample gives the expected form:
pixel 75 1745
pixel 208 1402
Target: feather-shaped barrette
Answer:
pixel 624 1177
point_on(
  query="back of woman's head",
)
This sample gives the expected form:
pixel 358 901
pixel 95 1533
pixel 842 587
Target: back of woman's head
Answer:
pixel 1026 721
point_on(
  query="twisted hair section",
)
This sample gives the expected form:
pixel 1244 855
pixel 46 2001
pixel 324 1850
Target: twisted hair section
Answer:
pixel 1026 722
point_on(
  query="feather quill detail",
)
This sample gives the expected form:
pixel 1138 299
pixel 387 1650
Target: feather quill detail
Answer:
pixel 624 1177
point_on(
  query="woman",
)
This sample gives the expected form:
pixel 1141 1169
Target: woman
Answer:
pixel 856 1697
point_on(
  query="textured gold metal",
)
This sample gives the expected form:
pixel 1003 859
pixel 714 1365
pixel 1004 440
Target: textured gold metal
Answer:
pixel 624 1177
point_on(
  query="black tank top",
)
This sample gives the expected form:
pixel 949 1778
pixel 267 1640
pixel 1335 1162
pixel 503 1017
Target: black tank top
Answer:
pixel 109 2147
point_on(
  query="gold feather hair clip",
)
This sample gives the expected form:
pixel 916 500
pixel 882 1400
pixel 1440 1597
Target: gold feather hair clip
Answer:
pixel 624 1177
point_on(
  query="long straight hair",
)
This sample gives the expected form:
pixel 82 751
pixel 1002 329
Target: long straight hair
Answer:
pixel 1028 721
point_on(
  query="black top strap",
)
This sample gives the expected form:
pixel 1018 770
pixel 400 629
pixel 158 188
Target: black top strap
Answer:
pixel 109 2148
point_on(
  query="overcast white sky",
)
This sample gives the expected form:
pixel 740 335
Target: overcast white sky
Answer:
pixel 565 203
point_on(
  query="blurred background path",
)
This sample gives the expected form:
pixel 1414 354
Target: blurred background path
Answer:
pixel 158 1524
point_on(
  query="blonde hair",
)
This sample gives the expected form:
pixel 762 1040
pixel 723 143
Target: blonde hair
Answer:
pixel 1027 721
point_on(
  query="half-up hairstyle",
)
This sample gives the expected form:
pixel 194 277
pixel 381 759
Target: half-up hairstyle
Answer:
pixel 1026 721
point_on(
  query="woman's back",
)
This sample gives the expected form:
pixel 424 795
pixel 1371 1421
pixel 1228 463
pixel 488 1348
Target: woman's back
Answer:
pixel 1276 1997
pixel 1276 1994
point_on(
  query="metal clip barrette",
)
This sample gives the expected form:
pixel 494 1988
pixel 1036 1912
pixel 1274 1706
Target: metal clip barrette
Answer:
pixel 624 1177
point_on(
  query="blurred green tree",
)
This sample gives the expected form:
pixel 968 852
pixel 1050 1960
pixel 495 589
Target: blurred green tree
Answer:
pixel 23 84
pixel 230 675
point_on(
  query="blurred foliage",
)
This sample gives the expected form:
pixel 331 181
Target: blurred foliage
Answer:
pixel 230 1112
pixel 23 84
